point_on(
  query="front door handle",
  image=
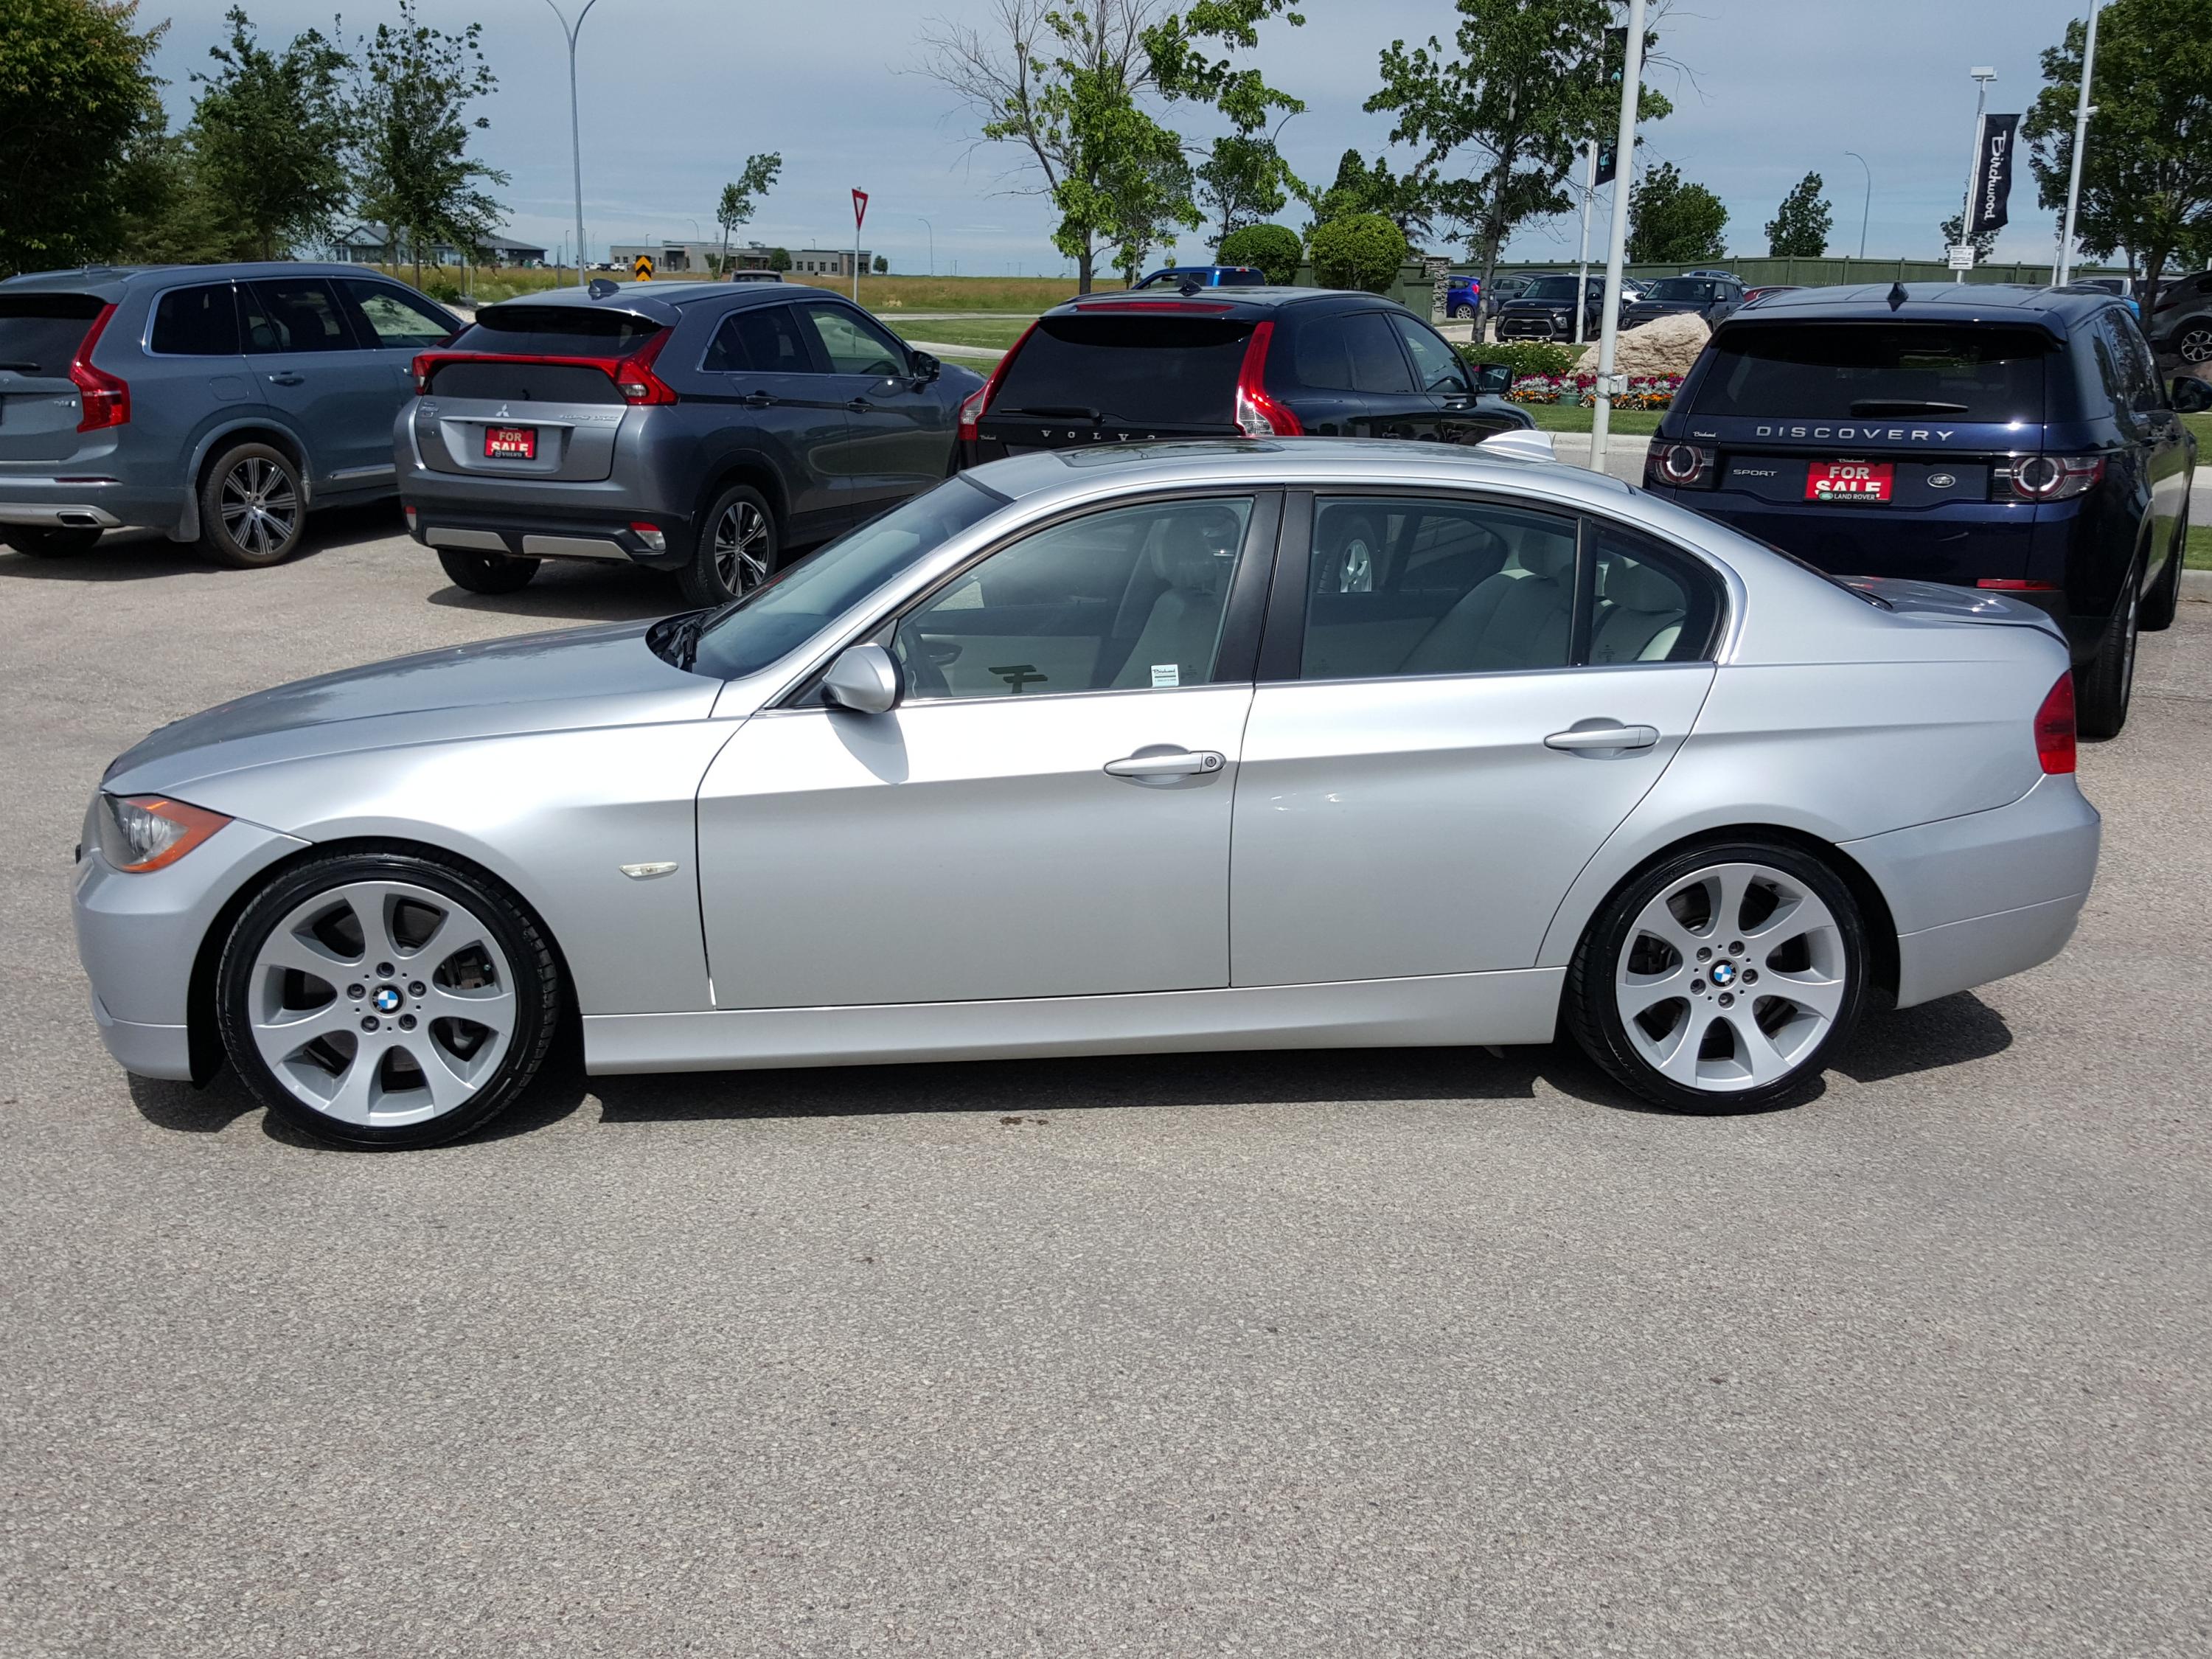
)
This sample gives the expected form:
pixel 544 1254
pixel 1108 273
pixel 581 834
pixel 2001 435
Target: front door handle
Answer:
pixel 1604 737
pixel 1177 763
pixel 286 378
pixel 757 400
pixel 859 405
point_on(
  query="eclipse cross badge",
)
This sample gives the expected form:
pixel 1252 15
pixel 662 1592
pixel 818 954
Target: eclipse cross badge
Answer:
pixel 386 999
pixel 1723 973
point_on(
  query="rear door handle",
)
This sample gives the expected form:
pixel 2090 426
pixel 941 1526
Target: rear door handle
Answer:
pixel 757 400
pixel 1604 737
pixel 859 405
pixel 286 378
pixel 1182 764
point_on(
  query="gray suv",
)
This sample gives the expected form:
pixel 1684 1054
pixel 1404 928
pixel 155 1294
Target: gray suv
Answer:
pixel 702 428
pixel 216 403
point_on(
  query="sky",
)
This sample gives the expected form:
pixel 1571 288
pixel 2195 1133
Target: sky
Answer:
pixel 676 93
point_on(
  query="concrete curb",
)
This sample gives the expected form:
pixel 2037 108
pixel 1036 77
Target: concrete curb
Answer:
pixel 2197 584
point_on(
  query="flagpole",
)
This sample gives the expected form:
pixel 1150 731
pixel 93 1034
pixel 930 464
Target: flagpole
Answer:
pixel 2083 109
pixel 1982 79
pixel 1582 264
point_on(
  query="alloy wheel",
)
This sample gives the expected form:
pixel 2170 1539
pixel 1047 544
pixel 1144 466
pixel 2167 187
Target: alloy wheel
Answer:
pixel 741 548
pixel 260 507
pixel 2195 346
pixel 382 1004
pixel 1731 978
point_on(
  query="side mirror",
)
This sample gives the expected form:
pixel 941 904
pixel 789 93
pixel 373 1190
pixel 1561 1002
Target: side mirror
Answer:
pixel 1493 380
pixel 926 367
pixel 864 678
pixel 2191 395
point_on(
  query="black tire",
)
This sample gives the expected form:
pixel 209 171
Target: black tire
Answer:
pixel 534 980
pixel 42 543
pixel 486 573
pixel 2104 685
pixel 2166 598
pixel 740 544
pixel 1591 1008
pixel 252 509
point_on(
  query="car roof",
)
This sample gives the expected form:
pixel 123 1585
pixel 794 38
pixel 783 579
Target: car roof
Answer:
pixel 1231 302
pixel 665 302
pixel 110 281
pixel 2054 311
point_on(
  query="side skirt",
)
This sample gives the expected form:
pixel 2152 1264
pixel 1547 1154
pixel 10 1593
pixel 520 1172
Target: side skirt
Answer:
pixel 1438 1011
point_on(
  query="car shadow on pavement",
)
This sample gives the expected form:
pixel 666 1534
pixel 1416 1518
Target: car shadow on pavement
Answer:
pixel 577 591
pixel 126 555
pixel 1951 1030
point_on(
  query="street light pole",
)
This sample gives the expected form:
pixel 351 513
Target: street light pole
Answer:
pixel 1982 79
pixel 576 126
pixel 2083 109
pixel 1582 263
pixel 1866 207
pixel 1632 81
pixel 932 243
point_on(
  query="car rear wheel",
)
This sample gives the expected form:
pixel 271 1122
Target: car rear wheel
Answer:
pixel 2104 684
pixel 40 543
pixel 486 573
pixel 252 507
pixel 738 548
pixel 386 999
pixel 1721 979
pixel 2166 598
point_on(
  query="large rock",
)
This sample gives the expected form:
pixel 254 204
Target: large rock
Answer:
pixel 1665 345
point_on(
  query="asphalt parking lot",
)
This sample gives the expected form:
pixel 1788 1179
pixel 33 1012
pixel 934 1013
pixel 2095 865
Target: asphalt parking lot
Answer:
pixel 1423 1353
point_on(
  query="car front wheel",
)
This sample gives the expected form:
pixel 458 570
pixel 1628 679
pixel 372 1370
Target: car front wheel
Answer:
pixel 387 1000
pixel 1721 979
pixel 252 509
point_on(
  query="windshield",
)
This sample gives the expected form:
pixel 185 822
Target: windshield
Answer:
pixel 1830 371
pixel 1679 289
pixel 1550 288
pixel 799 601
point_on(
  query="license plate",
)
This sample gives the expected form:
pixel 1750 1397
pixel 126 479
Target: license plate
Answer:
pixel 1848 481
pixel 511 443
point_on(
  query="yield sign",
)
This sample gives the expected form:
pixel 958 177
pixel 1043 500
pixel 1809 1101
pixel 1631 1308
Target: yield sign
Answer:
pixel 860 207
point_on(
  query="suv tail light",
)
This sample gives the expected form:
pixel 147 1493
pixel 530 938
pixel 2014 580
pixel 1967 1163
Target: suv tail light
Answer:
pixel 104 400
pixel 2054 726
pixel 972 407
pixel 1679 466
pixel 633 375
pixel 2052 478
pixel 1259 414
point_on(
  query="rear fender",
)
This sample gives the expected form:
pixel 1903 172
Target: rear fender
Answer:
pixel 263 426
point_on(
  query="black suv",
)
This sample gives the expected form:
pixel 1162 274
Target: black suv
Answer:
pixel 2009 438
pixel 1253 362
pixel 1544 310
pixel 1712 297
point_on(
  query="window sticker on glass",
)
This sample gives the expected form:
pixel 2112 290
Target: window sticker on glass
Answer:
pixel 1166 674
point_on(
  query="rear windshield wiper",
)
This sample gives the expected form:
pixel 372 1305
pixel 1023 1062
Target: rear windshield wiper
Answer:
pixel 1059 412
pixel 1904 406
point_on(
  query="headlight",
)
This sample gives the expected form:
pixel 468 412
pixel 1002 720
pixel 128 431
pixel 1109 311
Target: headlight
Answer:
pixel 138 833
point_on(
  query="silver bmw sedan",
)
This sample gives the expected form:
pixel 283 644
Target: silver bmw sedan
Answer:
pixel 1301 743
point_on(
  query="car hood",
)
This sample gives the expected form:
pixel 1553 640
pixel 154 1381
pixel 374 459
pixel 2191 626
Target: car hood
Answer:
pixel 569 680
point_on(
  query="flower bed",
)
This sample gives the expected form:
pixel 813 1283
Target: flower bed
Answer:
pixel 1645 391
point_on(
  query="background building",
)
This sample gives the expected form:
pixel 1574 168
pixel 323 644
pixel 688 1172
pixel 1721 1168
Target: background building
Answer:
pixel 373 245
pixel 694 258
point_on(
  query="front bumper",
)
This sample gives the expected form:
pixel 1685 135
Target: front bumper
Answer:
pixel 139 939
pixel 1987 895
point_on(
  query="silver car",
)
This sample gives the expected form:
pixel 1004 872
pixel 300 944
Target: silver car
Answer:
pixel 1268 744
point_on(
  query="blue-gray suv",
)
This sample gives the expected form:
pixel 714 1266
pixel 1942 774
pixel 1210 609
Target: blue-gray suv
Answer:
pixel 216 403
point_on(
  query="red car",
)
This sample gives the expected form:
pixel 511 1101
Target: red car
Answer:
pixel 1751 293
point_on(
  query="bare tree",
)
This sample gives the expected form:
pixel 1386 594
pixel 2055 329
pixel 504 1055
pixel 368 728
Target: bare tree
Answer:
pixel 1060 87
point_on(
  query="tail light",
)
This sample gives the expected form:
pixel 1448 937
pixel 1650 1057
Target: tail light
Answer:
pixel 633 375
pixel 634 378
pixel 105 400
pixel 972 407
pixel 2054 726
pixel 1679 466
pixel 2052 477
pixel 1260 415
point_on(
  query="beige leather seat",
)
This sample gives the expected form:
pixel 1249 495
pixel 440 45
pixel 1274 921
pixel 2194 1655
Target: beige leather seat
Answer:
pixel 1641 615
pixel 1516 619
pixel 1194 556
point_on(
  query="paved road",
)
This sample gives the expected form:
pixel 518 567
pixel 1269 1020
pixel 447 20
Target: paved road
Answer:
pixel 1419 1353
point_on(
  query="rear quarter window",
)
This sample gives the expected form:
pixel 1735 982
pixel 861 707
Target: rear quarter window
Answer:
pixel 40 333
pixel 1828 371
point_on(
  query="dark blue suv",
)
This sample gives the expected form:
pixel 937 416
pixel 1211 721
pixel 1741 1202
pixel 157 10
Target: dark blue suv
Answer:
pixel 2010 439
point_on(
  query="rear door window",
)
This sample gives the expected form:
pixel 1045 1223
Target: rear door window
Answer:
pixel 40 333
pixel 761 340
pixel 1168 370
pixel 196 322
pixel 1359 353
pixel 295 314
pixel 1838 370
pixel 392 318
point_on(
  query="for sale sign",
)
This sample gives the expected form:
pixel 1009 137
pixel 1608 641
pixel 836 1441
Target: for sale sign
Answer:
pixel 1848 481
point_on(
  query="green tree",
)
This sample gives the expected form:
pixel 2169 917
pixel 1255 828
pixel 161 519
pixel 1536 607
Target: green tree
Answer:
pixel 883 266
pixel 2146 171
pixel 1672 221
pixel 1177 45
pixel 1799 229
pixel 1359 188
pixel 779 258
pixel 413 125
pixel 1274 248
pixel 169 216
pixel 1530 82
pixel 1985 242
pixel 1362 251
pixel 268 136
pixel 78 105
pixel 740 197
pixel 1240 182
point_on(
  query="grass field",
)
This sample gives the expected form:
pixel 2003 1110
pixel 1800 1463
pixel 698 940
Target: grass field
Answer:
pixel 2200 547
pixel 1573 418
pixel 2201 426
pixel 985 333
